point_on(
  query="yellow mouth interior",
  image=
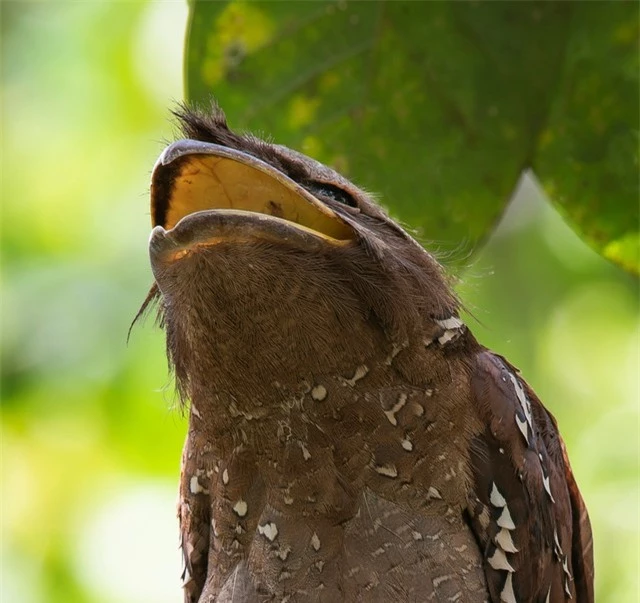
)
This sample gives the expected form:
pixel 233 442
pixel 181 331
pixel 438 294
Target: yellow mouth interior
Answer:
pixel 206 182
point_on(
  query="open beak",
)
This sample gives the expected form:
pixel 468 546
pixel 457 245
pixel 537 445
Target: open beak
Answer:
pixel 204 193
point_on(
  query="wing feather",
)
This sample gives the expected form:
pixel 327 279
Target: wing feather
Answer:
pixel 194 518
pixel 525 509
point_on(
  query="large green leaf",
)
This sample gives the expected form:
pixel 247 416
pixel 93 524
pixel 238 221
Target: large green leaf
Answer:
pixel 587 156
pixel 440 105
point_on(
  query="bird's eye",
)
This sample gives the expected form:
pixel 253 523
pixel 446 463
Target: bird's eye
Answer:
pixel 333 192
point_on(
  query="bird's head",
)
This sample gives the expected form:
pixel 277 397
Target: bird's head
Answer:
pixel 263 255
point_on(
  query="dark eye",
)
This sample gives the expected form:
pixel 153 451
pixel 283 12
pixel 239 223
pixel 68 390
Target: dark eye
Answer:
pixel 333 192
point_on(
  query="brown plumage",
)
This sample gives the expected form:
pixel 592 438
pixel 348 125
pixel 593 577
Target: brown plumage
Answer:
pixel 349 440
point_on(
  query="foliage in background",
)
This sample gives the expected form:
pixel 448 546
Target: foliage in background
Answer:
pixel 87 424
pixel 441 105
pixel 90 440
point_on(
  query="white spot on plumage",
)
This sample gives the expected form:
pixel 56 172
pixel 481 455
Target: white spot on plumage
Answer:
pixel 283 432
pixel 407 444
pixel 547 487
pixel 522 426
pixel 440 579
pixel 524 401
pixel 283 552
pixel 359 373
pixel 567 589
pixel 305 451
pixel 505 520
pixel 498 561
pixel 418 411
pixel 447 336
pixel 416 535
pixel 453 322
pixel 315 542
pixel 387 470
pixel 495 498
pixel 453 327
pixel 557 542
pixel 391 417
pixel 379 551
pixel 450 475
pixel 433 493
pixel 288 500
pixel 269 530
pixel 194 486
pixel 195 411
pixel 508 595
pixel 225 477
pixel 319 393
pixel 391 414
pixel 240 508
pixel 395 350
pixel 505 541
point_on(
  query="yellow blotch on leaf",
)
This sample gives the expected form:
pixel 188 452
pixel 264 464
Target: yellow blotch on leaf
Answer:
pixel 328 81
pixel 625 251
pixel 627 33
pixel 312 146
pixel 212 71
pixel 302 111
pixel 239 29
pixel 546 138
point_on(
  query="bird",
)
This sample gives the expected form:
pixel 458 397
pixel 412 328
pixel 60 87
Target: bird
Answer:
pixel 348 437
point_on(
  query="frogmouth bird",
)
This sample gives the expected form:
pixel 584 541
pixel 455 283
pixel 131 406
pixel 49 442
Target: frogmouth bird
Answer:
pixel 348 439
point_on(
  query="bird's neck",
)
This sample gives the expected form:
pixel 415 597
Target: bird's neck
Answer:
pixel 259 411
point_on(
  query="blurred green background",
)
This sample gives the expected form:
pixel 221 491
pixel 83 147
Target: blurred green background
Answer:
pixel 90 437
